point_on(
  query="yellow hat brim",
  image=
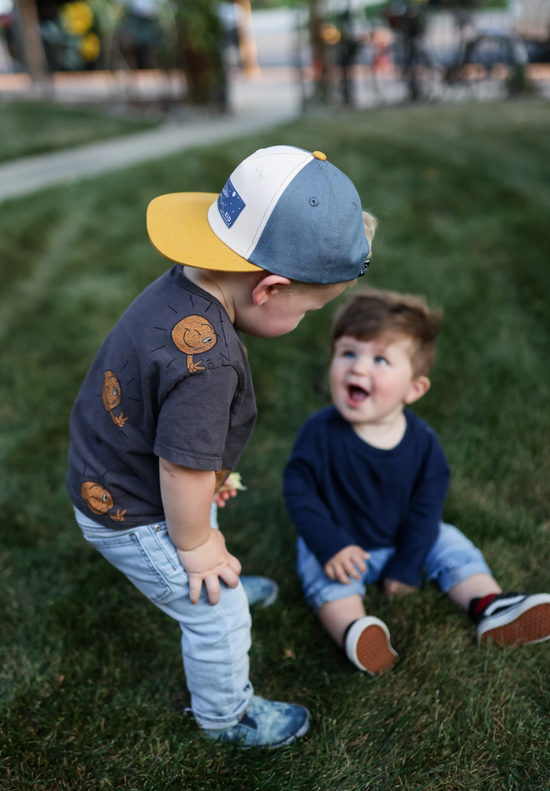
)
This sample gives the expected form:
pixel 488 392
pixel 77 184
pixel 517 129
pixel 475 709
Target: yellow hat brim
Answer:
pixel 178 228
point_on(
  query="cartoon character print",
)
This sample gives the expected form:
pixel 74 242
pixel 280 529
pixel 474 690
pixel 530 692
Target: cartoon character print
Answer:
pixel 194 335
pixel 111 395
pixel 100 501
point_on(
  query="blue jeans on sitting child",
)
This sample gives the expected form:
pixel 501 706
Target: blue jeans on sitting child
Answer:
pixel 452 559
pixel 215 640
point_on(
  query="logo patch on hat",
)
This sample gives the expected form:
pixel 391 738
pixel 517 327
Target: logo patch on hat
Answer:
pixel 230 204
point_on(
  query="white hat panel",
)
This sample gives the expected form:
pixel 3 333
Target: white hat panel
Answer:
pixel 258 182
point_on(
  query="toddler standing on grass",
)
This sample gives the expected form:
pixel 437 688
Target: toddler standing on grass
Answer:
pixel 168 407
pixel 366 484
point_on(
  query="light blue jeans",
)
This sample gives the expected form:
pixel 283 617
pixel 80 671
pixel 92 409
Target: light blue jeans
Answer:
pixel 452 559
pixel 215 640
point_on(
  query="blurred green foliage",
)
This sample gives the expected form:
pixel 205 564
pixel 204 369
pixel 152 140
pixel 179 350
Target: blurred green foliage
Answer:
pixel 200 37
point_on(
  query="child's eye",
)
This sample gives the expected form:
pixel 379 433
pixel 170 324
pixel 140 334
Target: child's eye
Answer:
pixel 348 354
pixel 379 360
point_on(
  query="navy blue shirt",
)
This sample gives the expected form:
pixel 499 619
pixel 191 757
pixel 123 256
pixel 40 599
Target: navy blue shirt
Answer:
pixel 340 491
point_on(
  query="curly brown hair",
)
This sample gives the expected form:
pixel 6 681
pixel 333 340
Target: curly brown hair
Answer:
pixel 374 312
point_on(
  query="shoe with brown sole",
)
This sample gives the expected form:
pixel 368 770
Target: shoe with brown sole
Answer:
pixel 515 619
pixel 368 646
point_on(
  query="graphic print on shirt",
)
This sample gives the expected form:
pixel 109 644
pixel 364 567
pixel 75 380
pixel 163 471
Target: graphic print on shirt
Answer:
pixel 194 335
pixel 111 395
pixel 100 501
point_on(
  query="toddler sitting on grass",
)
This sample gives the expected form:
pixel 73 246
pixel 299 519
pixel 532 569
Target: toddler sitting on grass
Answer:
pixel 366 484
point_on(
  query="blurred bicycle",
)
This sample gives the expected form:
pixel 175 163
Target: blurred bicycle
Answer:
pixel 485 61
pixel 405 64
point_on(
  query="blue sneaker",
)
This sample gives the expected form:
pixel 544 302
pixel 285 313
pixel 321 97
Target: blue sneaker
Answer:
pixel 260 590
pixel 265 723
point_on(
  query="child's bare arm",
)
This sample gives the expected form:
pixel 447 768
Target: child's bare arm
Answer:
pixel 347 562
pixel 186 496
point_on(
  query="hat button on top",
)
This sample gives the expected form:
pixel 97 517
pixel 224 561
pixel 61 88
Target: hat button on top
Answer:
pixel 319 155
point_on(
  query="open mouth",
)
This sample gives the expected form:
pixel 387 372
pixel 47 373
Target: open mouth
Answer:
pixel 356 395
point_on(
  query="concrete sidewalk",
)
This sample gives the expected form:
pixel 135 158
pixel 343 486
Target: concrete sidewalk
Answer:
pixel 257 107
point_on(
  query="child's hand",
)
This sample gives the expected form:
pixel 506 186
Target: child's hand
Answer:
pixel 232 485
pixel 207 564
pixel 345 562
pixel 396 588
pixel 220 498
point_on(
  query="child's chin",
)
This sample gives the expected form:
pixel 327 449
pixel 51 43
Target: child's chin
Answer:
pixel 350 413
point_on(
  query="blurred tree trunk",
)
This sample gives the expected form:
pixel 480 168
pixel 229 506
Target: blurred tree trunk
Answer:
pixel 35 57
pixel 200 45
pixel 319 50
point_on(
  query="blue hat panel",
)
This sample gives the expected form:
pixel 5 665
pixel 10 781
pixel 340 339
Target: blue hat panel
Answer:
pixel 315 233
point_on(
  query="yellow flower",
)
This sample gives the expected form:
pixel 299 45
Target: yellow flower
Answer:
pixel 77 18
pixel 90 47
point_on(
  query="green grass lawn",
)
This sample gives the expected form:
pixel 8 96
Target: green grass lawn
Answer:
pixel 92 687
pixel 29 128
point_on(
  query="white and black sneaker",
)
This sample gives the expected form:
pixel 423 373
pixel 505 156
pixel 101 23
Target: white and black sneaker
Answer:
pixel 512 618
pixel 367 644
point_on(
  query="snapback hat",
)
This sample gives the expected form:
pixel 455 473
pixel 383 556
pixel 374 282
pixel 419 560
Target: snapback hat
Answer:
pixel 283 209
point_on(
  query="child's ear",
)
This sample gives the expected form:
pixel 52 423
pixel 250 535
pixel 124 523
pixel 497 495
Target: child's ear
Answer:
pixel 268 286
pixel 418 388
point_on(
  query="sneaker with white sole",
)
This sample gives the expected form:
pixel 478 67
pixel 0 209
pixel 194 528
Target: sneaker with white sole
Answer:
pixel 265 723
pixel 260 591
pixel 367 644
pixel 515 619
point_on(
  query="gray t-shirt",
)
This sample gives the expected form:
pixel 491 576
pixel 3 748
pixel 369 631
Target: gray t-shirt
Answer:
pixel 172 380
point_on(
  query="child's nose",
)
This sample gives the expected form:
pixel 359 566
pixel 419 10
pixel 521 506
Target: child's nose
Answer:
pixel 362 364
